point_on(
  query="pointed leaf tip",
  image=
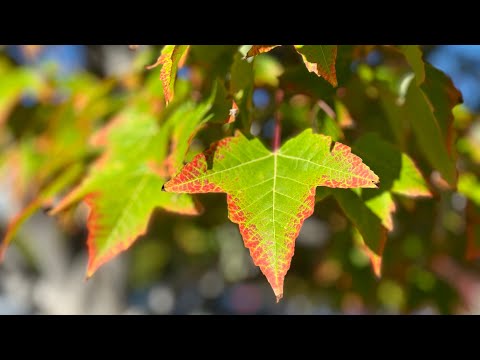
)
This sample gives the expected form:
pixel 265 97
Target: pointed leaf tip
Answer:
pixel 269 195
pixel 320 59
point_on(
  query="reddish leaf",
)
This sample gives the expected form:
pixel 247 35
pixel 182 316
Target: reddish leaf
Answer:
pixel 271 194
pixel 259 49
pixel 320 59
pixel 172 58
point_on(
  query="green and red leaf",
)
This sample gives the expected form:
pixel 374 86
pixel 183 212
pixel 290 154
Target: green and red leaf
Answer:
pixel 271 194
pixel 320 59
pixel 124 186
pixel 259 49
pixel 172 58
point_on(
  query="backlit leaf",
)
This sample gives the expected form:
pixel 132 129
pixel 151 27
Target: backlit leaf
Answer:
pixel 413 55
pixel 171 59
pixel 124 186
pixel 428 132
pixel 320 59
pixel 271 194
pixel 396 169
pixel 259 49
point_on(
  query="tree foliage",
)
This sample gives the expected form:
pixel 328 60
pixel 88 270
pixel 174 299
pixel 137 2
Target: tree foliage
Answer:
pixel 377 152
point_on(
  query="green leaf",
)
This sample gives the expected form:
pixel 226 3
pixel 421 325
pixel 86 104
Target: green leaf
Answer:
pixel 13 84
pixel 469 186
pixel 124 186
pixel 271 194
pixel 330 127
pixel 241 88
pixel 267 70
pixel 413 55
pixel 473 229
pixel 428 132
pixel 383 206
pixel 183 125
pixel 395 114
pixel 213 60
pixel 320 59
pixel 369 224
pixel 171 59
pixel 443 96
pixel 396 169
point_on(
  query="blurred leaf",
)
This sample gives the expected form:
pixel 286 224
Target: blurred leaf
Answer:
pixel 428 132
pixel 213 60
pixel 43 198
pixel 344 118
pixel 443 96
pixel 413 55
pixel 396 114
pixel 469 186
pixel 396 170
pixel 233 113
pixel 267 70
pixel 281 189
pixel 15 83
pixel 329 126
pixel 320 59
pixel 124 186
pixel 171 59
pixel 368 224
pixel 241 88
pixel 375 259
pixel 297 80
pixel 383 206
pixel 259 49
pixel 184 124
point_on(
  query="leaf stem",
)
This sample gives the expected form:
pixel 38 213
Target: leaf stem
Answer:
pixel 278 121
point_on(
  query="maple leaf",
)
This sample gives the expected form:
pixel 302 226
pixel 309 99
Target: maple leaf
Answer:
pixel 371 211
pixel 320 59
pixel 171 59
pixel 271 194
pixel 124 186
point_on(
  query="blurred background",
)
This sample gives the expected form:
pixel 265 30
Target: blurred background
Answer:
pixel 200 265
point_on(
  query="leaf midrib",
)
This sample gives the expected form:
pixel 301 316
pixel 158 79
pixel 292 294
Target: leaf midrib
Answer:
pixel 264 158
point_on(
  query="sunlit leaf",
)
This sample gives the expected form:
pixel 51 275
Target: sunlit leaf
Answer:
pixel 259 49
pixel 413 55
pixel 125 185
pixel 320 59
pixel 428 132
pixel 271 194
pixel 171 59
pixel 396 169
